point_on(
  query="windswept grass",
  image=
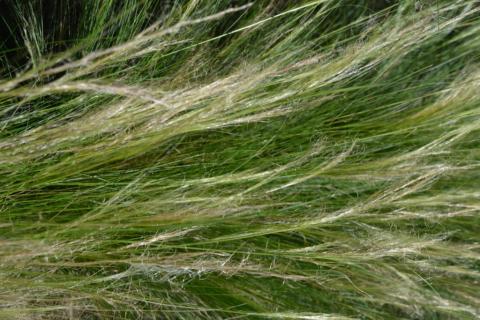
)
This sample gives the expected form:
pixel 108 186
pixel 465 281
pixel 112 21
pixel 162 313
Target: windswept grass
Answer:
pixel 241 160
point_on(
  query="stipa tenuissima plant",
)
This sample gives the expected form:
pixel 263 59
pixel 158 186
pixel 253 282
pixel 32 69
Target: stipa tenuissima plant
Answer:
pixel 231 159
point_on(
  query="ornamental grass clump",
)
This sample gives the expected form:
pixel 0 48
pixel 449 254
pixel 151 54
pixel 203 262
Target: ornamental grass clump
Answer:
pixel 167 159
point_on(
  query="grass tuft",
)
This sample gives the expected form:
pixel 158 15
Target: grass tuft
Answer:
pixel 240 160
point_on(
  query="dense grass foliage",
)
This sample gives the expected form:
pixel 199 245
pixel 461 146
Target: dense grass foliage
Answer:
pixel 240 160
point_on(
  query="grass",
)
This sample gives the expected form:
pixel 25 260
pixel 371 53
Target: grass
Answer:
pixel 234 160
